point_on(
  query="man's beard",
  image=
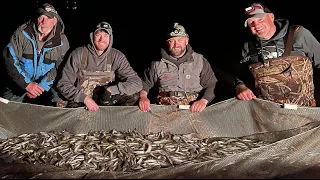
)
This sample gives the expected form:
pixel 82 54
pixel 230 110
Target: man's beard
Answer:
pixel 43 32
pixel 178 53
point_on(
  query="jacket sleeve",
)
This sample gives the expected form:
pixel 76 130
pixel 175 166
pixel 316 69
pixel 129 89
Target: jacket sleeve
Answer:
pixel 241 68
pixel 310 45
pixel 48 80
pixel 12 55
pixel 208 81
pixel 66 84
pixel 130 82
pixel 149 78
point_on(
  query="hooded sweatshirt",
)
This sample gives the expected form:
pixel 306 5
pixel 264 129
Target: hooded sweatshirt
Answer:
pixel 26 62
pixel 304 44
pixel 190 73
pixel 128 80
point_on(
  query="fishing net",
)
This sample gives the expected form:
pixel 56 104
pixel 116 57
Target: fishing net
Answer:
pixel 229 139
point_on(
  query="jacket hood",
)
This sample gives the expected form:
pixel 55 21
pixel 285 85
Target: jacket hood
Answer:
pixel 273 47
pixel 281 30
pixel 30 28
pixel 282 27
pixel 60 23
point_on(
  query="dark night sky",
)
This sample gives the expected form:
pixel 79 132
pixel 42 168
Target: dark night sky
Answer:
pixel 215 28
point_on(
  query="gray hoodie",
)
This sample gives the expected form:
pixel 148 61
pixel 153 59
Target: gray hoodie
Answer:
pixel 304 43
pixel 127 80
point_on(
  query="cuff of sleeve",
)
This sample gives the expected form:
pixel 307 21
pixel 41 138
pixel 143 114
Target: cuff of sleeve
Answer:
pixel 241 83
pixel 114 90
pixel 46 85
pixel 208 98
pixel 145 87
pixel 24 85
pixel 82 97
pixel 55 96
pixel 146 90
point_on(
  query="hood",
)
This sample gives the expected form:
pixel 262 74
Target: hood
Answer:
pixel 30 28
pixel 274 47
pixel 48 10
pixel 281 30
pixel 60 24
pixel 93 49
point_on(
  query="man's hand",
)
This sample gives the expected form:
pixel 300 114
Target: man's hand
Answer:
pixel 198 106
pixel 244 93
pixel 34 90
pixel 90 104
pixel 30 95
pixel 144 102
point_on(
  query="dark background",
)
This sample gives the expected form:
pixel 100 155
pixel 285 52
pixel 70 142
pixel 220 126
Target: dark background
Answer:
pixel 215 27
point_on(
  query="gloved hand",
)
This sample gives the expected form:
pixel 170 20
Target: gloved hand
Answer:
pixel 106 97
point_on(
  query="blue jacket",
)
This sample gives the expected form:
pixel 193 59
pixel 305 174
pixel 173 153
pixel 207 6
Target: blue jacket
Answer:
pixel 24 64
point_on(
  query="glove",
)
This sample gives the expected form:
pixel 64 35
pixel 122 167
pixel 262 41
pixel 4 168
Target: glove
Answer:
pixel 72 104
pixel 106 97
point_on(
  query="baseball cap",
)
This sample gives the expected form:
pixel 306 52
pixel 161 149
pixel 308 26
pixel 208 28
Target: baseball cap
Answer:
pixel 255 10
pixel 177 31
pixel 105 26
pixel 48 10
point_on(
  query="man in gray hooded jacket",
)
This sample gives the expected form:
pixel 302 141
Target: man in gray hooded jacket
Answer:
pixel 33 56
pixel 267 43
pixel 98 74
pixel 180 77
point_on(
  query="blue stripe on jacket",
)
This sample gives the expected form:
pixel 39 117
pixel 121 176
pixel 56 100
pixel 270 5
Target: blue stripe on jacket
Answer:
pixel 26 67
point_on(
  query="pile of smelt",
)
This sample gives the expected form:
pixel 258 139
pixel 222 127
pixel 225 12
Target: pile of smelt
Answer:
pixel 118 151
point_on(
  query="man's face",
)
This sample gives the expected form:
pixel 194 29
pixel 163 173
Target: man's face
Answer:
pixel 46 24
pixel 101 40
pixel 177 45
pixel 261 27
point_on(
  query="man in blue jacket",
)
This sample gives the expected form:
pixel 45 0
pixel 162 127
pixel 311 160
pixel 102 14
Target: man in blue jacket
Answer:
pixel 32 58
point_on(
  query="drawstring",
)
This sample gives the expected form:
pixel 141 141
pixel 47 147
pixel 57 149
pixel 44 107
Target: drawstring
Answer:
pixel 261 50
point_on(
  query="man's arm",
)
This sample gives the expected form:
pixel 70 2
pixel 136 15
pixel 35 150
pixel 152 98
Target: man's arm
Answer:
pixel 242 74
pixel 148 82
pixel 12 55
pixel 208 81
pixel 69 76
pixel 130 81
pixel 310 44
pixel 149 78
pixel 240 68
